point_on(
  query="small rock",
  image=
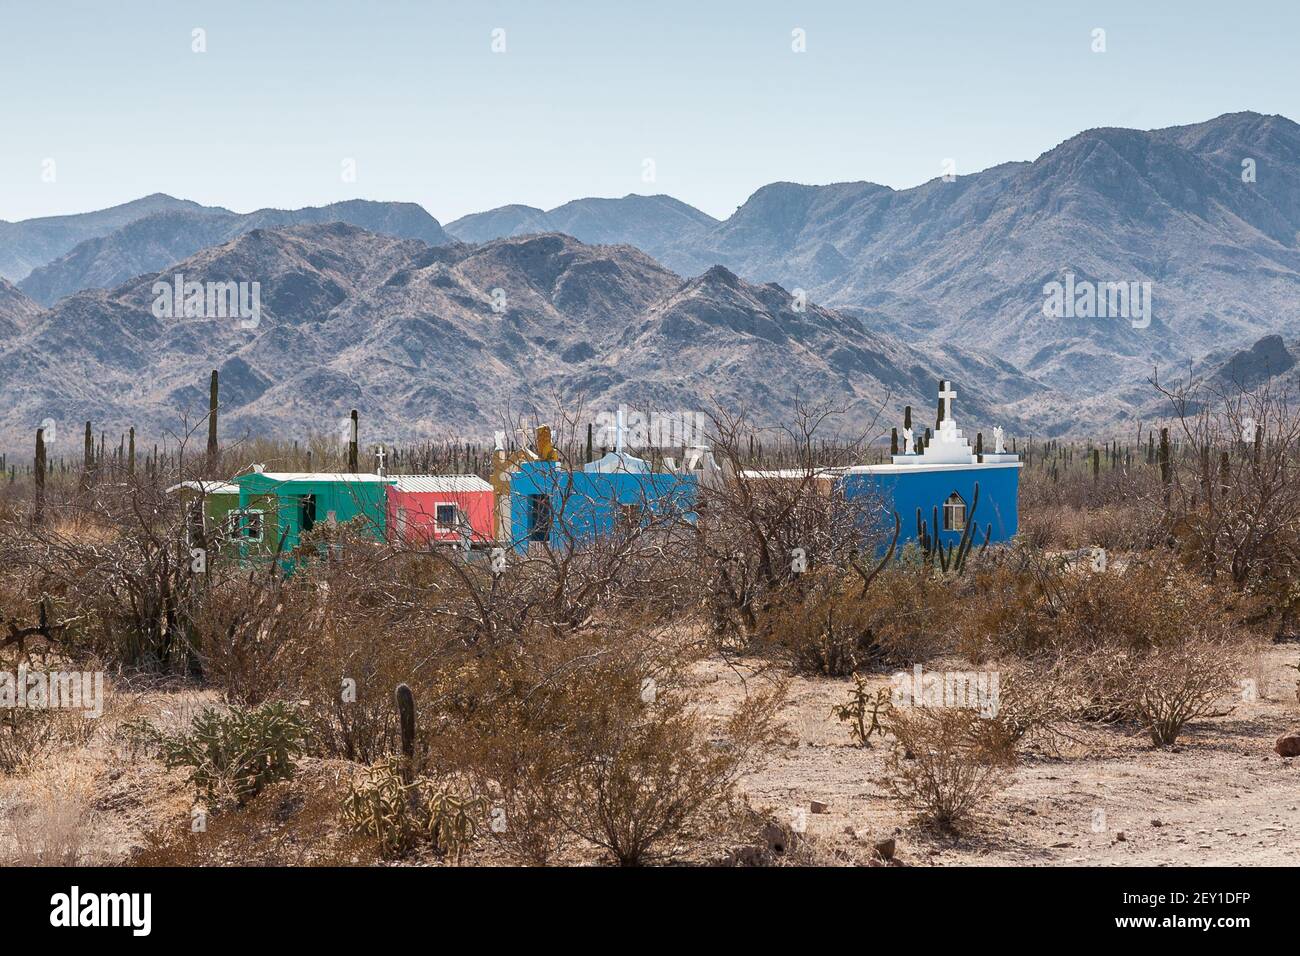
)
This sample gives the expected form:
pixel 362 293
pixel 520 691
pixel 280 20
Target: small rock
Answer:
pixel 1156 823
pixel 1288 745
pixel 817 806
pixel 1120 837
pixel 885 848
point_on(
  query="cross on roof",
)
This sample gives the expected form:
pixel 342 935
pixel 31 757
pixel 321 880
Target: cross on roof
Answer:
pixel 946 395
pixel 619 429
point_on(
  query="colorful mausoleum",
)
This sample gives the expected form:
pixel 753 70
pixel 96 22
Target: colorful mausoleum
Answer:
pixel 546 503
pixel 937 484
pixel 277 508
pixel 208 505
pixel 439 509
pixel 941 483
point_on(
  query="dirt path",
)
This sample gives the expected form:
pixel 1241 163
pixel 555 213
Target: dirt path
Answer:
pixel 1222 797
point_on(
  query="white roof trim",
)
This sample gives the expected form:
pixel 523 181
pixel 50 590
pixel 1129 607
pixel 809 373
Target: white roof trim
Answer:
pixel 283 476
pixel 206 487
pixel 950 466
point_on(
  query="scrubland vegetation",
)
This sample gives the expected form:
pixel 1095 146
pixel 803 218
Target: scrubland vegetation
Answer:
pixel 392 704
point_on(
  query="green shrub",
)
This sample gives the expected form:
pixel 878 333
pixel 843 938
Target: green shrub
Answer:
pixel 234 756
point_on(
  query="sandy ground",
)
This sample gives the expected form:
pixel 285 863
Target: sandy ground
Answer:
pixel 1222 797
pixel 1107 798
pixel 94 804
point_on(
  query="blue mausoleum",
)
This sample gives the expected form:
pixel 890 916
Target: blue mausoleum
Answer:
pixel 551 504
pixel 939 477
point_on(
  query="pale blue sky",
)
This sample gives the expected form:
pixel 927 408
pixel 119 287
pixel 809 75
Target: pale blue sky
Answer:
pixel 586 91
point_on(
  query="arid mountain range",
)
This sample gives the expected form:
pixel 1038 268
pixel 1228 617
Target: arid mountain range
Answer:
pixel 648 301
pixel 430 341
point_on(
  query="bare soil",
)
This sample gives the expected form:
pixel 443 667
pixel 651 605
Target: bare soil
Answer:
pixel 1107 797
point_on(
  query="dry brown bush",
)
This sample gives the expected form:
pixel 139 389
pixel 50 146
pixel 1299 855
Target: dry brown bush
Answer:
pixel 645 773
pixel 832 627
pixel 1162 689
pixel 939 766
pixel 1033 701
pixel 1026 605
pixel 114 567
pixel 595 738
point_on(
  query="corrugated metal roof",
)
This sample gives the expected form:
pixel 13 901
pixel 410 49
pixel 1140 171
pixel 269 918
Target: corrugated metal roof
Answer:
pixel 439 483
pixel 206 487
pixel 317 476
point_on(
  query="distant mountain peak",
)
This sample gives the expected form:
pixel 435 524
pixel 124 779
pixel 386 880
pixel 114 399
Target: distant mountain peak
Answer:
pixel 159 238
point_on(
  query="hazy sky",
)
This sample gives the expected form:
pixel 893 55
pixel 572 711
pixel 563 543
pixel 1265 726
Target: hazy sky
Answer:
pixel 585 93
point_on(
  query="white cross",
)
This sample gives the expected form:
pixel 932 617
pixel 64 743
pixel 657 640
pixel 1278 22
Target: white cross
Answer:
pixel 380 456
pixel 946 395
pixel 619 429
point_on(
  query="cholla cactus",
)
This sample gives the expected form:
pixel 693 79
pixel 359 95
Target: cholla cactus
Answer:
pixel 400 816
pixel 862 711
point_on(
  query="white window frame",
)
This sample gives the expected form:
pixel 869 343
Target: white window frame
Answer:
pixel 261 525
pixel 455 516
pixel 949 507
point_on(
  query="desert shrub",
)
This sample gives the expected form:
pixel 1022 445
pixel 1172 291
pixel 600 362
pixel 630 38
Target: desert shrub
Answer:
pixel 400 815
pixel 595 737
pixel 1062 506
pixel 1027 605
pixel 522 767
pixel 115 565
pixel 29 735
pixel 338 636
pixel 1163 690
pixel 25 736
pixel 50 820
pixel 290 823
pixel 644 773
pixel 939 766
pixel 233 756
pixel 1170 689
pixel 1033 699
pixel 834 628
pixel 1146 640
pixel 244 627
